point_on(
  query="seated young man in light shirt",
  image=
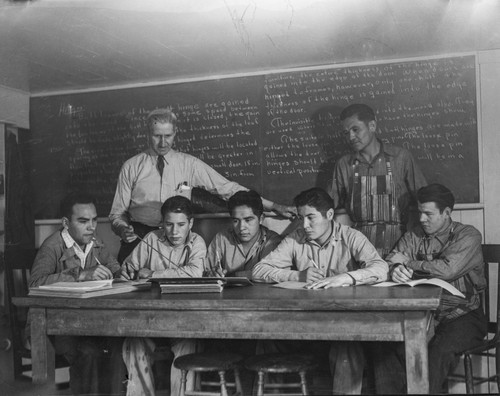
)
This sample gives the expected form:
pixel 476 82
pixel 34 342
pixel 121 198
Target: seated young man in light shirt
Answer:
pixel 74 254
pixel 235 251
pixel 324 254
pixel 174 252
pixel 444 249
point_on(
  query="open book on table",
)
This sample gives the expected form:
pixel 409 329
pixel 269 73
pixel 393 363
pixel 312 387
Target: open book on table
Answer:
pixel 433 281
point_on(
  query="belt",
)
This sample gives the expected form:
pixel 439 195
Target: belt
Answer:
pixel 142 229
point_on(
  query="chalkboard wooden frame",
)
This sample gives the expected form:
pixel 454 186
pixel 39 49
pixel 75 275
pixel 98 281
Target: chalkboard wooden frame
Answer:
pixel 277 132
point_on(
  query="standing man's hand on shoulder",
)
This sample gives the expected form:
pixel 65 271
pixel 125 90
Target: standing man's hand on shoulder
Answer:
pixel 288 212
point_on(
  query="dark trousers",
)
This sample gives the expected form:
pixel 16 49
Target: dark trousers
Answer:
pixel 95 364
pixel 246 348
pixel 450 338
pixel 126 248
pixel 84 355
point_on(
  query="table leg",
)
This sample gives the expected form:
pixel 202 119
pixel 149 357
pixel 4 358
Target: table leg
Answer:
pixel 42 350
pixel 417 365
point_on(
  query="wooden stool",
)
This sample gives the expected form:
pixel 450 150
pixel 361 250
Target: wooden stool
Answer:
pixel 209 362
pixel 280 363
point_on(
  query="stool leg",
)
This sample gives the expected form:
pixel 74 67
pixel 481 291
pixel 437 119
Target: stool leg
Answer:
pixel 303 383
pixel 197 381
pixel 223 388
pixel 469 377
pixel 237 382
pixel 183 382
pixel 260 388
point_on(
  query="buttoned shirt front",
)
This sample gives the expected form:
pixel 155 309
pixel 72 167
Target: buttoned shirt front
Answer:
pixel 227 251
pixel 70 243
pixel 406 175
pixel 347 250
pixel 167 261
pixel 55 262
pixel 141 191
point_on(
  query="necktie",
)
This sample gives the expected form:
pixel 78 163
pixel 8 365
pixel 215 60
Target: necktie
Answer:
pixel 160 164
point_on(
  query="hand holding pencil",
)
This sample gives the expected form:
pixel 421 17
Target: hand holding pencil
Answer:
pixel 217 270
pixel 311 274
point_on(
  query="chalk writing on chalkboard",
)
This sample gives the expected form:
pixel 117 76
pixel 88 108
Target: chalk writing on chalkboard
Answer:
pixel 278 133
pixel 427 107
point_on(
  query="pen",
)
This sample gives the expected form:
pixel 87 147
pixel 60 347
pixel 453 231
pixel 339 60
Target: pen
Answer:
pixel 94 240
pixel 96 259
pixel 219 270
pixel 314 263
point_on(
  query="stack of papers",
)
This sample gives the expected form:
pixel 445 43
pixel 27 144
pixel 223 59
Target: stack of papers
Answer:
pixel 190 285
pixel 193 288
pixel 87 289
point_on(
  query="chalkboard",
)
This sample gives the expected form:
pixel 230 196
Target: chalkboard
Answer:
pixel 278 133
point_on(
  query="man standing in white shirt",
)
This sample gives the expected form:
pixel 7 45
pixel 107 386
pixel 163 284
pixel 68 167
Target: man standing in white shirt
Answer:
pixel 160 172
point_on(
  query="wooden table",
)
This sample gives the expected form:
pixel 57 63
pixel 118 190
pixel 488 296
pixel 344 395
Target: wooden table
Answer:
pixel 362 313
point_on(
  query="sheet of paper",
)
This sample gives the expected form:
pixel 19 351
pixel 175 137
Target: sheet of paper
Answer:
pixel 291 285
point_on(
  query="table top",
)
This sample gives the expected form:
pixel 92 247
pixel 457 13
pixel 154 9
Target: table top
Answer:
pixel 259 297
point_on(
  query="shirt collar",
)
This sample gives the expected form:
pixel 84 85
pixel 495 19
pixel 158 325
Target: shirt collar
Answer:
pixel 260 241
pixel 69 242
pixel 385 150
pixel 189 240
pixel 335 236
pixel 154 155
pixel 444 235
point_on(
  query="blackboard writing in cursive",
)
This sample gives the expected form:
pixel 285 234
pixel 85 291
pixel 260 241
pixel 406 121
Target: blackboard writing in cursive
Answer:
pixel 278 133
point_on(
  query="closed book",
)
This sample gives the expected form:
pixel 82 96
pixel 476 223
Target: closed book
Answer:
pixel 216 287
pixel 227 281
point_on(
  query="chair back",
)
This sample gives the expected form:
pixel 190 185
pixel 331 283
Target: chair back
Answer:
pixel 491 254
pixel 18 264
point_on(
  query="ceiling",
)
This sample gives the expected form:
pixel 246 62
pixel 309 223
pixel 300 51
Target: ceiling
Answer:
pixel 60 45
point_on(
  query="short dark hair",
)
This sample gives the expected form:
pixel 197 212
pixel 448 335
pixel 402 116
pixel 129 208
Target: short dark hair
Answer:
pixel 177 204
pixel 161 116
pixel 72 199
pixel 315 197
pixel 437 193
pixel 249 198
pixel 364 112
